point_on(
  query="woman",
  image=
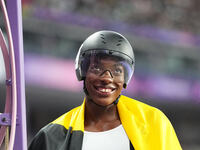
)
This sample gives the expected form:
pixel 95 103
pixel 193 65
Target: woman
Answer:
pixel 107 120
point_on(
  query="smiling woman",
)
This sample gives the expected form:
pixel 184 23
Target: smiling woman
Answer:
pixel 104 81
pixel 107 120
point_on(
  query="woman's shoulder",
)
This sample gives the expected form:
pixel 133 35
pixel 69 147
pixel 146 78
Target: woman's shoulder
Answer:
pixel 138 107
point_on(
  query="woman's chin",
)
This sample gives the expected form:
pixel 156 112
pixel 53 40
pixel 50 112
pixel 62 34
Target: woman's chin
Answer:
pixel 103 101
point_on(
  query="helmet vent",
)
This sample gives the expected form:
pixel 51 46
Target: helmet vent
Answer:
pixel 119 41
pixel 102 37
pixel 103 42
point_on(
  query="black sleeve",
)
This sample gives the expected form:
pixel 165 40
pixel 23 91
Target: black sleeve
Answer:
pixel 39 142
pixel 50 137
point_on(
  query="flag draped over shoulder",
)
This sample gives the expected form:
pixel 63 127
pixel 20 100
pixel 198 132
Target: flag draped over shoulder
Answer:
pixel 147 129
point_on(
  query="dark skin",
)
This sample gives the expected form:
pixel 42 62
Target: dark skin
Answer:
pixel 100 112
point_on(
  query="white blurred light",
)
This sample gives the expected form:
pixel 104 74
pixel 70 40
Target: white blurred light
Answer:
pixel 2 68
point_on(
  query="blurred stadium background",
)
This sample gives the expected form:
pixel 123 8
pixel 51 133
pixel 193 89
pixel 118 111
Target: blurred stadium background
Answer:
pixel 166 39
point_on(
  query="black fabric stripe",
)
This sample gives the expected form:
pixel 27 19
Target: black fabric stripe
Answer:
pixel 76 140
pixel 57 137
pixel 131 146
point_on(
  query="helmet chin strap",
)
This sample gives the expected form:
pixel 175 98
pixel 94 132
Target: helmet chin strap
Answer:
pixel 117 100
pixel 87 94
pixel 85 89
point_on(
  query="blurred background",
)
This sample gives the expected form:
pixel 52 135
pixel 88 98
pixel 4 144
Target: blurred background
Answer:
pixel 166 39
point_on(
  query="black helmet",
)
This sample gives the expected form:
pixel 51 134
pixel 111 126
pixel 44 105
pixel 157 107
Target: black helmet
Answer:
pixel 108 43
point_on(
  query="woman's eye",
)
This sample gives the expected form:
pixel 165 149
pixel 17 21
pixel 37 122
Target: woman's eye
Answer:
pixel 118 70
pixel 95 68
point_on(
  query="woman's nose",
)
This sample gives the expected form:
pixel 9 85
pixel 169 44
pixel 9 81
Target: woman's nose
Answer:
pixel 106 77
pixel 107 73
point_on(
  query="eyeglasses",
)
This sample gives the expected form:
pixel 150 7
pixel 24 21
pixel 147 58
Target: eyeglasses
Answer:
pixel 116 70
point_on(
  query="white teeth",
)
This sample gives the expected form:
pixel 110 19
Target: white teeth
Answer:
pixel 108 90
pixel 105 90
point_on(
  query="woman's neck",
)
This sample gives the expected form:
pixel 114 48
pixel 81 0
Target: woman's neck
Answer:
pixel 100 118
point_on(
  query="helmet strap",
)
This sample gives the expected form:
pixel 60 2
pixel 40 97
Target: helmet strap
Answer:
pixel 85 89
pixel 117 100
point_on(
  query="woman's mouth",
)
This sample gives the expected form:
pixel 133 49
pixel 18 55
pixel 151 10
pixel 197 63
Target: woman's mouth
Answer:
pixel 104 91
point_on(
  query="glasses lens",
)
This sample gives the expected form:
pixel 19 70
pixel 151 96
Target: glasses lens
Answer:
pixel 116 69
pixel 110 66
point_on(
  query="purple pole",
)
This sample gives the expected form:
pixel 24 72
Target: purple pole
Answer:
pixel 15 17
